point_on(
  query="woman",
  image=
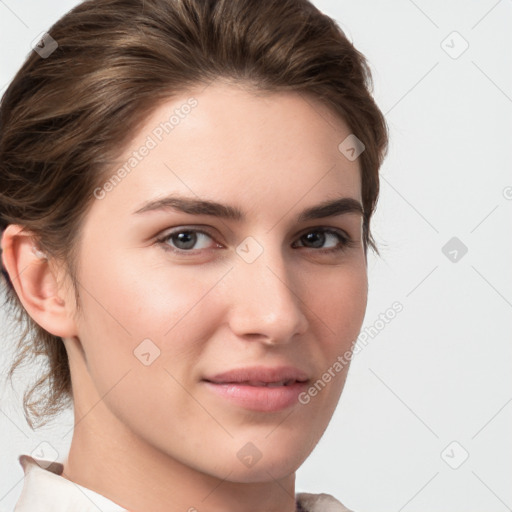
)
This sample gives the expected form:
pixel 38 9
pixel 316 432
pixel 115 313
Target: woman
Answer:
pixel 186 195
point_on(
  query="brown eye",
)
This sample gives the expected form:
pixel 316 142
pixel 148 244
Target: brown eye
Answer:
pixel 317 239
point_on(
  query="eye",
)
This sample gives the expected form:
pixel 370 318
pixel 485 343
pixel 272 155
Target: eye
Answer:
pixel 185 240
pixel 317 237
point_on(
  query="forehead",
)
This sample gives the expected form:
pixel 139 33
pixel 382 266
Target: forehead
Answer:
pixel 225 141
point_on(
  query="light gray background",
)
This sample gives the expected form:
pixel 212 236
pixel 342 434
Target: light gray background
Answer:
pixel 441 370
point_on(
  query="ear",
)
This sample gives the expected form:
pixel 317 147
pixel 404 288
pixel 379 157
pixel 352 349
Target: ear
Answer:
pixel 36 283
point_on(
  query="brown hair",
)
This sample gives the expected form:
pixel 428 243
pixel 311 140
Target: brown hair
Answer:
pixel 66 116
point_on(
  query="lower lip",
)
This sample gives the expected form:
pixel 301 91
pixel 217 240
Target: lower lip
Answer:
pixel 259 398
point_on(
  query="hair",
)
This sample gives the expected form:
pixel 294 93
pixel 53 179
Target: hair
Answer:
pixel 66 117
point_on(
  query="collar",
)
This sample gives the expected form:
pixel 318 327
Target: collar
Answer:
pixel 45 490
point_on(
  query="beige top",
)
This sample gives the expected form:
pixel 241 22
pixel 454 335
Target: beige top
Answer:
pixel 44 490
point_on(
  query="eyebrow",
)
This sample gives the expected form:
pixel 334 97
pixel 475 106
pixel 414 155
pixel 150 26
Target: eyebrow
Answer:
pixel 193 206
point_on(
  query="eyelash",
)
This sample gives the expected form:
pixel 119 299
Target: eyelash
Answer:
pixel 346 241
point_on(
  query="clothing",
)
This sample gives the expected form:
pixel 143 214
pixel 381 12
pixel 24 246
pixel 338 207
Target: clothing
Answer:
pixel 44 490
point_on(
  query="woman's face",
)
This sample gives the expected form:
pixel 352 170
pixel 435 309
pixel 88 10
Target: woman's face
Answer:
pixel 173 296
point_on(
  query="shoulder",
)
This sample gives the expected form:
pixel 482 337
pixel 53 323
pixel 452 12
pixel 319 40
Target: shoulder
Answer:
pixel 307 502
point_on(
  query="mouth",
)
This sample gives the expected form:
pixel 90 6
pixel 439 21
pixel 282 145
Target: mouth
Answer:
pixel 263 394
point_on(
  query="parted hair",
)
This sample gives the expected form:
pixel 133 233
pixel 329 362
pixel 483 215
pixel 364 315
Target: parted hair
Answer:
pixel 65 117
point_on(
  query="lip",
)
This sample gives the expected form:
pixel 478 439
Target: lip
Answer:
pixel 248 387
pixel 265 374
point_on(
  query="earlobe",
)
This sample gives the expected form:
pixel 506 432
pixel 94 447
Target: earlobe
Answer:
pixel 35 282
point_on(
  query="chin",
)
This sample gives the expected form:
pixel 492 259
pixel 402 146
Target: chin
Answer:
pixel 275 459
pixel 267 471
pixel 258 461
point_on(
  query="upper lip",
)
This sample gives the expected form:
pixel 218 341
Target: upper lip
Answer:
pixel 263 374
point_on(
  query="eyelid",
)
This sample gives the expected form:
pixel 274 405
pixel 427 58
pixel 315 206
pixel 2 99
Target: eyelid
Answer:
pixel 185 227
pixel 325 229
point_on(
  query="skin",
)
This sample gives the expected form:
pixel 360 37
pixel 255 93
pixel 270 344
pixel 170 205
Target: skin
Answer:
pixel 153 437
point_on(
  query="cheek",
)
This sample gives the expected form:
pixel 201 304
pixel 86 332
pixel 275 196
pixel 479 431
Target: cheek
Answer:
pixel 339 303
pixel 339 306
pixel 126 305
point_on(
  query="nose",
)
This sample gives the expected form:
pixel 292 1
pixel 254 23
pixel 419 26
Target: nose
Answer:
pixel 266 301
